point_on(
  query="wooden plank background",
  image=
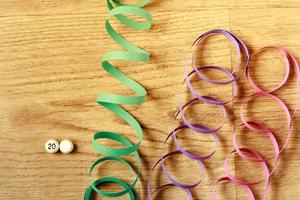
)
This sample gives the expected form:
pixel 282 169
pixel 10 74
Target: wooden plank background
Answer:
pixel 50 76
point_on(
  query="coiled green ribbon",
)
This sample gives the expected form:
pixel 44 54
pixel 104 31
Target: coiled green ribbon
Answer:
pixel 113 101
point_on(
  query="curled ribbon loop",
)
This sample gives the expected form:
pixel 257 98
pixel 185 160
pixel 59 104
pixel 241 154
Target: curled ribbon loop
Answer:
pixel 112 101
pixel 227 179
pixel 199 128
pixel 239 45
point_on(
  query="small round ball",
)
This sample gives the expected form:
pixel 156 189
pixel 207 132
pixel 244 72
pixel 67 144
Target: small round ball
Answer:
pixel 52 146
pixel 66 146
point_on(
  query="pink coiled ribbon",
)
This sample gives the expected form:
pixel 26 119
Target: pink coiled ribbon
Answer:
pixel 241 50
pixel 261 128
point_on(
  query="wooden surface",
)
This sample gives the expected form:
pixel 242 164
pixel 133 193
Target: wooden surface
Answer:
pixel 50 77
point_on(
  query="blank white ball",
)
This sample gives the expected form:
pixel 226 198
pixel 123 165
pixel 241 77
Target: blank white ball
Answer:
pixel 66 146
pixel 52 146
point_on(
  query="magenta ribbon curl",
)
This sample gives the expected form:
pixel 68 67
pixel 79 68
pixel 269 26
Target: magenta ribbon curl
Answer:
pixel 261 128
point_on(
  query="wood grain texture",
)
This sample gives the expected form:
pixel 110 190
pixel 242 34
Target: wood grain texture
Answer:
pixel 50 76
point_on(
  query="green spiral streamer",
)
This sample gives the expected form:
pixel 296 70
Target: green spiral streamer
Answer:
pixel 113 101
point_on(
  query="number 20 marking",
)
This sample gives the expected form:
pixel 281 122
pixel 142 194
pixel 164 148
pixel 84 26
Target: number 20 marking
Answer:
pixel 51 146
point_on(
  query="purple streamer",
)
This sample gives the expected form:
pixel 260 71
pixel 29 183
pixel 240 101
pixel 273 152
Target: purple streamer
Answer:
pixel 199 128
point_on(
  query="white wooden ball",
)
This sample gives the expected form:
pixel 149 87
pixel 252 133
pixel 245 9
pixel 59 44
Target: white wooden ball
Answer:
pixel 66 146
pixel 52 146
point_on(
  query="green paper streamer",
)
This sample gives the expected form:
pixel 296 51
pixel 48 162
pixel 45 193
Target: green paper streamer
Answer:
pixel 113 101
